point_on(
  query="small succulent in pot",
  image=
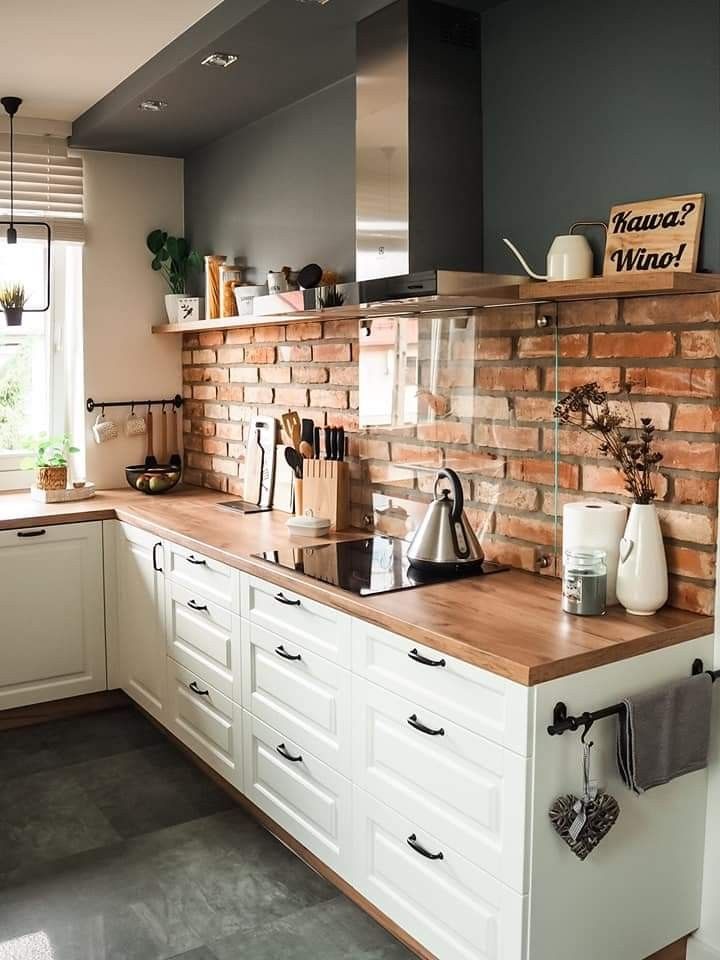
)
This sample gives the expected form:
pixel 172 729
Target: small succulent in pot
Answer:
pixel 631 447
pixel 50 461
pixel 12 301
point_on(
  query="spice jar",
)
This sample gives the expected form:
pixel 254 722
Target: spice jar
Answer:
pixel 584 585
pixel 231 276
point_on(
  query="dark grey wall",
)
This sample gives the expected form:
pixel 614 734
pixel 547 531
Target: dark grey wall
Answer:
pixel 282 190
pixel 588 103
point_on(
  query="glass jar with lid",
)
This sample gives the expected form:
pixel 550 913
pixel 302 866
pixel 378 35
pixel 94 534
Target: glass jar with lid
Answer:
pixel 584 585
pixel 231 275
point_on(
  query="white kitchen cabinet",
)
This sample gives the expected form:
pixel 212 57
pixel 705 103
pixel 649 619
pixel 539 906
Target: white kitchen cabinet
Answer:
pixel 301 793
pixel 450 905
pixel 204 637
pixel 481 701
pixel 198 573
pixel 52 613
pixel 298 692
pixel 296 618
pixel 466 790
pixel 139 617
pixel 205 720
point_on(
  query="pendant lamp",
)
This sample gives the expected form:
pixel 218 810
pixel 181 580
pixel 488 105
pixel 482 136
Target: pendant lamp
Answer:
pixel 11 106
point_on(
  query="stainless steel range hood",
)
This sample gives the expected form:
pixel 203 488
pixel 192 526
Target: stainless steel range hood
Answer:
pixel 419 140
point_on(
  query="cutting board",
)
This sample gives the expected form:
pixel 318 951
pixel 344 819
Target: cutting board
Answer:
pixel 260 461
pixel 284 477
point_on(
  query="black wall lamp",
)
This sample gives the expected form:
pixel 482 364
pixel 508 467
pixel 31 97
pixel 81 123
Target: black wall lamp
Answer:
pixel 11 106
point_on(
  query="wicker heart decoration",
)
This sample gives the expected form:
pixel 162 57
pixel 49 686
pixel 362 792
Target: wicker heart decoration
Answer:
pixel 601 813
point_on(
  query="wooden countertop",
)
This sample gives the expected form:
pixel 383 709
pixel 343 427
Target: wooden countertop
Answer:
pixel 510 623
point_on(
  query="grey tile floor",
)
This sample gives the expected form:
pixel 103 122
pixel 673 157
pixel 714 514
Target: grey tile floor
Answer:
pixel 113 846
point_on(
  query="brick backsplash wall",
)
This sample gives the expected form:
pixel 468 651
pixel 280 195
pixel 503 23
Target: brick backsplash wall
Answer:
pixel 500 379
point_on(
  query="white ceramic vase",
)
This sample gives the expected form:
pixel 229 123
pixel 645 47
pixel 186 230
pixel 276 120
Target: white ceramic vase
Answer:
pixel 172 301
pixel 642 580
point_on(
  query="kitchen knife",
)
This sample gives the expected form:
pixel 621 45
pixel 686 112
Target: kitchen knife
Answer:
pixel 316 443
pixel 341 443
pixel 306 431
pixel 328 449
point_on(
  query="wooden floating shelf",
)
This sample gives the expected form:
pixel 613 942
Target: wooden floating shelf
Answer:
pixel 651 284
pixel 396 308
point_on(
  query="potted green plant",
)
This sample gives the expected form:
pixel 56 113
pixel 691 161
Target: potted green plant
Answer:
pixel 12 301
pixel 50 461
pixel 174 259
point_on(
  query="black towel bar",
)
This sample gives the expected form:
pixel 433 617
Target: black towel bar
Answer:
pixel 562 722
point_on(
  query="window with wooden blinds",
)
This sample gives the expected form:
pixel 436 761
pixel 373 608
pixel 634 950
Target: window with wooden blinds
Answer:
pixel 48 185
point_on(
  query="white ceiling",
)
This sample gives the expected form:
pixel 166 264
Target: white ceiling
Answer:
pixel 61 56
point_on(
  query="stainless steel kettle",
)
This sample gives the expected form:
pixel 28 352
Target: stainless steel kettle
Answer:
pixel 445 542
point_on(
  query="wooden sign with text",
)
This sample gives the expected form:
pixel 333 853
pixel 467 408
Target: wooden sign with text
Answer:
pixel 659 234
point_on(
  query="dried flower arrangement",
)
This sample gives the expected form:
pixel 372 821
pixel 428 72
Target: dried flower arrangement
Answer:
pixel 587 407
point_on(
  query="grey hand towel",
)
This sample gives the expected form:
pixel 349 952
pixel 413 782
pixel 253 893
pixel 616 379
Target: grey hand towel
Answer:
pixel 665 733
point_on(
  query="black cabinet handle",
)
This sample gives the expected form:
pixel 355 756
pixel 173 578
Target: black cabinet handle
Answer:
pixel 196 689
pixel 281 598
pixel 197 561
pixel 419 848
pixel 31 533
pixel 283 751
pixel 414 722
pixel 156 567
pixel 282 652
pixel 196 606
pixel 419 658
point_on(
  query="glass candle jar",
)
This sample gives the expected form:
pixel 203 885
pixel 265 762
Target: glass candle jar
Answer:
pixel 584 588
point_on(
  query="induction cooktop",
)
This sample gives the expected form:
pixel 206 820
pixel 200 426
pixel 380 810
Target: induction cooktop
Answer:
pixel 374 565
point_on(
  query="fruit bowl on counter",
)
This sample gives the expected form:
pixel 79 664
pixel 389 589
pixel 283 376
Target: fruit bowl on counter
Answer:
pixel 152 480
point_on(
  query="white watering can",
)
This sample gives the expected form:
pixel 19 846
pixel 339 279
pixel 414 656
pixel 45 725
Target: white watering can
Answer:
pixel 570 256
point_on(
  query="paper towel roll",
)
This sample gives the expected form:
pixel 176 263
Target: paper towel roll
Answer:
pixel 600 525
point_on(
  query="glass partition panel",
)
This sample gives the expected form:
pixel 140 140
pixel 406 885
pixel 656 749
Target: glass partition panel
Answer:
pixel 473 390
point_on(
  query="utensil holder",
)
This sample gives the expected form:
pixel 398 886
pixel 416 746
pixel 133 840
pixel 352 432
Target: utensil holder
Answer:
pixel 326 491
pixel 298 497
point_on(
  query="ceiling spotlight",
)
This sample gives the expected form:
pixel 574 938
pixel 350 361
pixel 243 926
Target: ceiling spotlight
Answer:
pixel 219 60
pixel 319 3
pixel 153 106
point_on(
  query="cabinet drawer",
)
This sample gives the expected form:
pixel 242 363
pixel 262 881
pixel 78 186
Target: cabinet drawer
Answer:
pixel 298 692
pixel 204 637
pixel 294 617
pixel 452 907
pixel 467 791
pixel 205 720
pixel 305 796
pixel 212 579
pixel 485 703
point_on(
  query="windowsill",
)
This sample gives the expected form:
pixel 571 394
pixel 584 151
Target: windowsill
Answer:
pixel 15 480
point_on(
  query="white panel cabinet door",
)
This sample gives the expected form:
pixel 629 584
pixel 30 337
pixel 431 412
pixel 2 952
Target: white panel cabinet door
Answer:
pixel 206 721
pixel 451 906
pixel 483 702
pixel 467 791
pixel 298 692
pixel 52 617
pixel 304 795
pixel 140 617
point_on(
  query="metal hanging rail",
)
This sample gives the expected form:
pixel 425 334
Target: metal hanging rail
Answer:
pixel 562 722
pixel 90 405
